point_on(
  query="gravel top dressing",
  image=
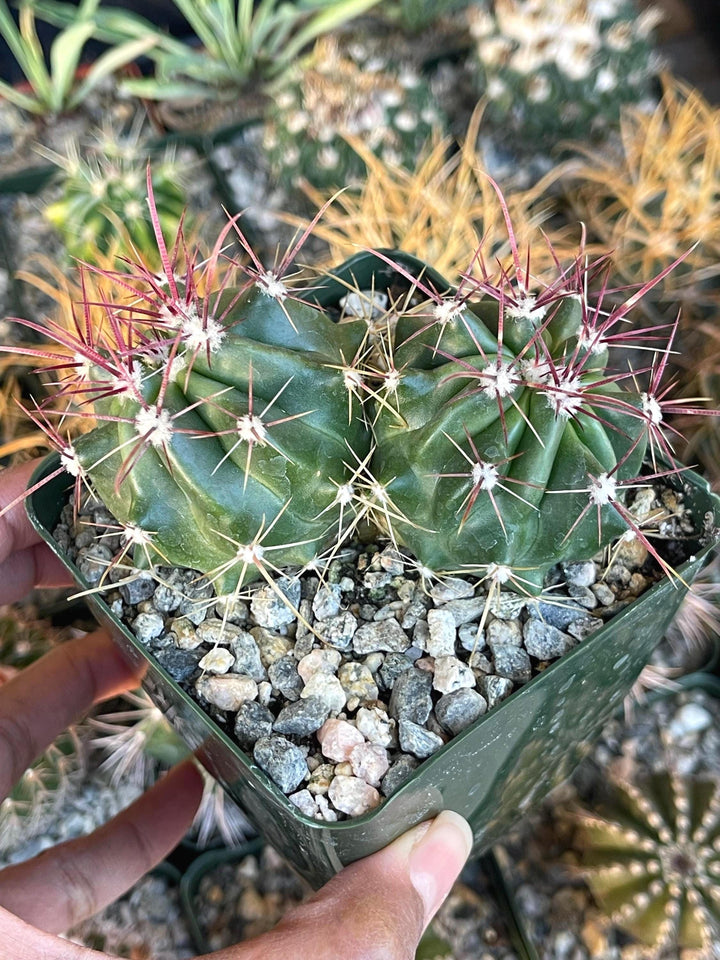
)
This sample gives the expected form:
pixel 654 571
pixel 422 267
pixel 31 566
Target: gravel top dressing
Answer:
pixel 340 680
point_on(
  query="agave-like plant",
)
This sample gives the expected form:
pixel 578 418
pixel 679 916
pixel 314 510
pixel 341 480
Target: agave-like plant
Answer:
pixel 57 88
pixel 258 426
pixel 237 40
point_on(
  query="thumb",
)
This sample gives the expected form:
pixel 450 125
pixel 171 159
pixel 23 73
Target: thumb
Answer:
pixel 377 908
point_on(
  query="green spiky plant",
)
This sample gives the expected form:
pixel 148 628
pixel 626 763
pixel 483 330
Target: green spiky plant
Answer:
pixel 342 89
pixel 102 206
pixel 552 70
pixel 248 431
pixel 652 860
pixel 239 41
pixel 36 798
pixel 56 87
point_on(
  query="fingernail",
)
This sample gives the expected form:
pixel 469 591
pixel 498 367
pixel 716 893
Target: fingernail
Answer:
pixel 437 856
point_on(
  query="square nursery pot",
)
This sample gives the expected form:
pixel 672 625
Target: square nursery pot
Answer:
pixel 491 773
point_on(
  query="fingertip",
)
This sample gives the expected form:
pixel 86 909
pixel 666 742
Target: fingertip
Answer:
pixel 437 858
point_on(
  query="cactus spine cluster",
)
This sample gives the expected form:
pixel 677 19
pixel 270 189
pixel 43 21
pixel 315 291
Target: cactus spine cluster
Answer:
pixel 654 863
pixel 258 426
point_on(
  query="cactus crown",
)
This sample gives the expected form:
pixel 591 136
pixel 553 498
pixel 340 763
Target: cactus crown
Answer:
pixel 261 424
pixel 653 862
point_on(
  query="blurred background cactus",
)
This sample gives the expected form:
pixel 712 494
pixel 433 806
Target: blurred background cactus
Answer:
pixel 554 70
pixel 651 203
pixel 347 86
pixel 102 208
pixel 652 860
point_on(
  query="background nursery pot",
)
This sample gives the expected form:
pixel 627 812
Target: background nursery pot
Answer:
pixel 490 773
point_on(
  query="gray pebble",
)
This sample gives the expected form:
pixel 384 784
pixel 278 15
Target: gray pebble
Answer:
pixel 180 664
pixel 397 774
pixel 386 635
pixel 495 689
pixel 93 562
pixel 137 590
pixel 337 631
pixel 511 662
pixel 376 583
pixel 411 696
pixel 392 667
pixel 302 718
pixel 416 611
pixel 441 633
pixel 270 610
pixel 507 605
pixel 603 593
pixel 147 626
pixel 417 740
pixel 559 614
pixel 284 677
pixel 213 631
pixel 545 642
pixel 451 588
pixel 469 638
pixel 327 601
pixel 167 596
pixel 584 596
pixel 504 631
pixel 580 629
pixel 580 574
pixel 464 611
pixel 456 711
pixel 247 654
pixel 231 609
pixel 282 761
pixel 252 721
pixel 194 604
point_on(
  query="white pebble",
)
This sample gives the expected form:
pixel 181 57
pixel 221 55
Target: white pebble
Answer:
pixel 452 674
pixel 305 802
pixel 327 688
pixel 217 661
pixel 375 725
pixel 319 661
pixel 228 692
pixel 353 796
pixel 692 718
pixel 441 639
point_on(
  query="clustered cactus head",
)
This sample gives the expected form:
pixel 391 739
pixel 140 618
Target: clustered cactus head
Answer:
pixel 346 88
pixel 653 862
pixel 253 429
pixel 102 207
pixel 551 70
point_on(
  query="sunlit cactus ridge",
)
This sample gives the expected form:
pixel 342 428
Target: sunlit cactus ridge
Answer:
pixel 243 427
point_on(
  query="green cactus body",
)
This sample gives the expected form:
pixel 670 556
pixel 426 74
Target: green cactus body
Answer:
pixel 653 862
pixel 269 475
pixel 552 70
pixel 480 452
pixel 346 89
pixel 102 206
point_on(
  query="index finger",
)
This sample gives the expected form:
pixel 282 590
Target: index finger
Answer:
pixel 46 697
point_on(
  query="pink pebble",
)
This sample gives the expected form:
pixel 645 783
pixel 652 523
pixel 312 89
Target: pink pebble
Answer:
pixel 369 762
pixel 337 739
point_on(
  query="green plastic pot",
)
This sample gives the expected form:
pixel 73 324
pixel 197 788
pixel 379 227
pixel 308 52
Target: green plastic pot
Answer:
pixel 491 773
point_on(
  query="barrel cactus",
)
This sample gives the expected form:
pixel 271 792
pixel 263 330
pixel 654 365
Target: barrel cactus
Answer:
pixel 652 860
pixel 257 427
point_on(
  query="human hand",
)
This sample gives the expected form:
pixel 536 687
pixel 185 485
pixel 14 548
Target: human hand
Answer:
pixel 375 909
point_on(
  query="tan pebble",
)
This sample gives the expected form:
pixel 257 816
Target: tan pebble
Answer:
pixel 344 769
pixel 319 661
pixel 353 796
